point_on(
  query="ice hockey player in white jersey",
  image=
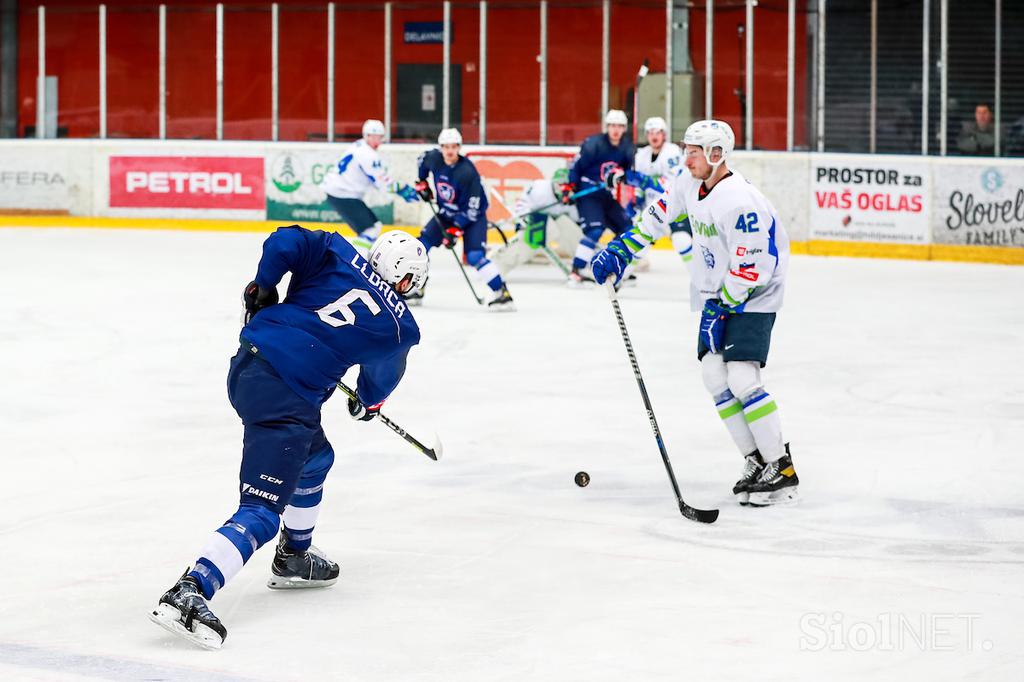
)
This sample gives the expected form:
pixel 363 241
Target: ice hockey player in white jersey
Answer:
pixel 738 280
pixel 661 161
pixel 542 220
pixel 361 169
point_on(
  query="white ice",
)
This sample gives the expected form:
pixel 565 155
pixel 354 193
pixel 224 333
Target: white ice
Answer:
pixel 899 385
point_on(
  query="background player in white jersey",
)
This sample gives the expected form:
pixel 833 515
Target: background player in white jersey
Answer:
pixel 739 279
pixel 661 161
pixel 360 170
pixel 542 220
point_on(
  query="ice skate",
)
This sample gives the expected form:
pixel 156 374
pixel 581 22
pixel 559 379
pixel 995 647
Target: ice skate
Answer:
pixel 777 483
pixel 502 302
pixel 753 465
pixel 183 611
pixel 297 569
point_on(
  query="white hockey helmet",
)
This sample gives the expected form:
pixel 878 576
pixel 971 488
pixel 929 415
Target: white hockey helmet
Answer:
pixel 450 136
pixel 655 123
pixel 709 134
pixel 373 127
pixel 401 260
pixel 616 117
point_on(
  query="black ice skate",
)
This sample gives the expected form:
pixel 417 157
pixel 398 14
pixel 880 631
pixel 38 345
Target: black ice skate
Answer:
pixel 183 611
pixel 776 485
pixel 296 569
pixel 753 465
pixel 502 302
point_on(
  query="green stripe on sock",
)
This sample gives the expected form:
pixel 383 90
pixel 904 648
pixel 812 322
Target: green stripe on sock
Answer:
pixel 760 412
pixel 727 412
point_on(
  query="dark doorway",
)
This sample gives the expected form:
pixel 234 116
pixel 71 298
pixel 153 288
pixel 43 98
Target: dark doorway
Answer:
pixel 420 88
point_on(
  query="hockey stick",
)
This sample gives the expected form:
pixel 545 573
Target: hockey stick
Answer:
pixel 462 268
pixel 692 513
pixel 433 453
pixel 640 75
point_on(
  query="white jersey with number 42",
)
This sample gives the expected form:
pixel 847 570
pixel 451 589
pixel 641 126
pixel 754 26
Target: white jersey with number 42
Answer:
pixel 740 248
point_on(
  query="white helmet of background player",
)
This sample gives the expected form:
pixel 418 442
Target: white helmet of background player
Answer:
pixel 400 260
pixel 655 123
pixel 373 127
pixel 450 136
pixel 616 117
pixel 709 134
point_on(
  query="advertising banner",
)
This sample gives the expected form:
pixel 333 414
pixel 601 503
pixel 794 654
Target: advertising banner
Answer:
pixel 869 199
pixel 979 205
pixel 187 182
pixel 293 188
pixel 506 174
pixel 34 181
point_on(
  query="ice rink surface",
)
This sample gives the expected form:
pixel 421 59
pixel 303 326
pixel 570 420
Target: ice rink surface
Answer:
pixel 899 385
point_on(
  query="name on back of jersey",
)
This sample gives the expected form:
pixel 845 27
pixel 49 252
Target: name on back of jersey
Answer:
pixel 391 298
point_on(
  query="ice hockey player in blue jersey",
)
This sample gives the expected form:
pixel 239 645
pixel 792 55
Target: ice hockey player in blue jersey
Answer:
pixel 340 310
pixel 461 211
pixel 603 160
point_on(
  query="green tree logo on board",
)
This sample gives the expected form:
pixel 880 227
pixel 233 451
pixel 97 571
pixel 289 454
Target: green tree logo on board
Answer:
pixel 286 173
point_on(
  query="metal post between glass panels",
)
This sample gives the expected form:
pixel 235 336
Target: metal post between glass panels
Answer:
pixel 790 71
pixel 330 73
pixel 483 71
pixel 543 72
pixel 274 83
pixel 944 74
pixel 709 56
pixel 220 71
pixel 103 72
pixel 873 112
pixel 606 13
pixel 162 59
pixel 41 80
pixel 820 132
pixel 669 68
pixel 387 71
pixel 999 73
pixel 748 132
pixel 445 79
pixel 925 74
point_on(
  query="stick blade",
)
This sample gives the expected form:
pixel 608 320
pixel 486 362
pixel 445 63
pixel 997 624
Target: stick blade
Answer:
pixel 436 450
pixel 698 515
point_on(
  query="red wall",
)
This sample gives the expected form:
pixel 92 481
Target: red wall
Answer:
pixel 513 99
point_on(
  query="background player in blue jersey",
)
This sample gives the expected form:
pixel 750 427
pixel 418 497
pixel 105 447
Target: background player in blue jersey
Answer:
pixel 341 310
pixel 603 160
pixel 462 210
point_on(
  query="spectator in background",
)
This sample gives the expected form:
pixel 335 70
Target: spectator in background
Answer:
pixel 978 137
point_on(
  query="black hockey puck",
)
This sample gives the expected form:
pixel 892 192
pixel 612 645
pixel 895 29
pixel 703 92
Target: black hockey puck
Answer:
pixel 582 479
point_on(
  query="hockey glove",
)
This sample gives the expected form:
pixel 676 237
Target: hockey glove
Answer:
pixel 256 298
pixel 567 191
pixel 407 193
pixel 612 261
pixel 361 412
pixel 712 324
pixel 643 181
pixel 614 178
pixel 423 190
pixel 450 237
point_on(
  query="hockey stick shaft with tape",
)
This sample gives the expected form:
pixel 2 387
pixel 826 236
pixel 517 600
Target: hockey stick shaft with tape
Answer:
pixel 433 453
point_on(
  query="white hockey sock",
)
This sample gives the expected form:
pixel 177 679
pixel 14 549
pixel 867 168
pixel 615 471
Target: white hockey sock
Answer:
pixel 762 418
pixel 731 412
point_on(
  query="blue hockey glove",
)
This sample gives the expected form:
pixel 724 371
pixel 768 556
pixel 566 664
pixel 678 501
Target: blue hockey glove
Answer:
pixel 712 324
pixel 361 412
pixel 255 298
pixel 611 261
pixel 643 181
pixel 407 193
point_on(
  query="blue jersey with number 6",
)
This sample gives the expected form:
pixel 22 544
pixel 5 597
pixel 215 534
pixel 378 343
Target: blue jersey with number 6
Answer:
pixel 338 313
